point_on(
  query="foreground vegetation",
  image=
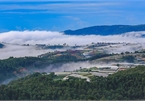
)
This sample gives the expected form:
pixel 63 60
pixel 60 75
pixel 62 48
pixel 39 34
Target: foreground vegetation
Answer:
pixel 18 67
pixel 123 85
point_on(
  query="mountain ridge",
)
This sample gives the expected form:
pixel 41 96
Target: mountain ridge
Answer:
pixel 106 30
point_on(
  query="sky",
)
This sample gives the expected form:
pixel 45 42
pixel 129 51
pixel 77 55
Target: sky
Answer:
pixel 60 15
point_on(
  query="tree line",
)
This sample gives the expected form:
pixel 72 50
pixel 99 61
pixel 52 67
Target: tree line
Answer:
pixel 123 85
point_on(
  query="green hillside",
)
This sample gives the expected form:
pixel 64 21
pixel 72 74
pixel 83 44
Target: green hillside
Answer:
pixel 123 85
pixel 19 67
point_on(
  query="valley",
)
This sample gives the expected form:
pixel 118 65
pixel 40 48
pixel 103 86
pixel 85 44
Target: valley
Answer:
pixel 72 50
pixel 60 58
pixel 92 61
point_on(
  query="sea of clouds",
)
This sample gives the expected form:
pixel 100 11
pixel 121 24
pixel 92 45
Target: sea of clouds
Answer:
pixel 54 38
pixel 13 41
pixel 49 37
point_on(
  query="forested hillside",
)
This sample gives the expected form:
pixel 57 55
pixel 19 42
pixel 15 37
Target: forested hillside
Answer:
pixel 14 67
pixel 19 67
pixel 123 85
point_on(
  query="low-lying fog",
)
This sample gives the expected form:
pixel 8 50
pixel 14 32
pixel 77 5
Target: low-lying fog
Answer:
pixel 54 38
pixel 19 51
pixel 60 67
pixel 124 48
pixel 71 66
pixel 22 51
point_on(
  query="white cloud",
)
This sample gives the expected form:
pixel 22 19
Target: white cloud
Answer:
pixel 48 37
pixel 21 51
pixel 59 7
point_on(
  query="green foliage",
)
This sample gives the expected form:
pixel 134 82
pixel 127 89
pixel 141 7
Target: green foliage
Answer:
pixel 12 67
pixel 54 47
pixel 65 58
pixel 97 56
pixel 128 58
pixel 123 85
pixel 15 67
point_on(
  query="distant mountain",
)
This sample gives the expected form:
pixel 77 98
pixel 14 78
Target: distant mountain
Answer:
pixel 106 30
pixel 1 45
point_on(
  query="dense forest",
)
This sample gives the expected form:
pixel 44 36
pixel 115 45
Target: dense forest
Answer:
pixel 13 67
pixel 123 85
pixel 18 67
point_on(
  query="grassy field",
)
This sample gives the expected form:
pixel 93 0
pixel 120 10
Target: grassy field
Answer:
pixel 60 77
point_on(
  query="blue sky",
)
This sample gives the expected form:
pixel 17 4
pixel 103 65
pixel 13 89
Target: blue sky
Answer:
pixel 59 15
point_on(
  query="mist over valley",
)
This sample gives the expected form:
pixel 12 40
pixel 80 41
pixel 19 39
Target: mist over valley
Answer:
pixel 30 42
pixel 64 56
pixel 72 50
